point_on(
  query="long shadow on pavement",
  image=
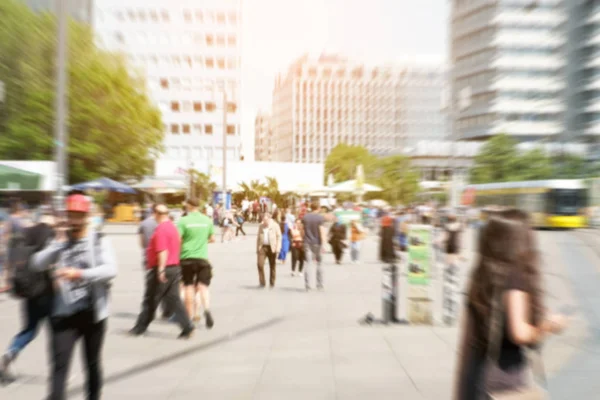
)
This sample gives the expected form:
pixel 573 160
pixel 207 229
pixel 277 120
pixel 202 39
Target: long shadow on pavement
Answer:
pixel 157 363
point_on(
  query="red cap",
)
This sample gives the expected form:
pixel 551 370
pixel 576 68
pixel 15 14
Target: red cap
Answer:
pixel 78 203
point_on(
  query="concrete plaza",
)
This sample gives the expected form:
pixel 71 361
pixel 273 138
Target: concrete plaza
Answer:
pixel 288 344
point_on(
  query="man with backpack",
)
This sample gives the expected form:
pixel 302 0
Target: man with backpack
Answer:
pixel 35 288
pixel 82 264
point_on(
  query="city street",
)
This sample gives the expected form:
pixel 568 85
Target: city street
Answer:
pixel 288 344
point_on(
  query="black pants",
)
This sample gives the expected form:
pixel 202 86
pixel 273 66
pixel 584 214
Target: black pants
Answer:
pixel 338 250
pixel 66 331
pixel 298 258
pixel 156 292
pixel 240 228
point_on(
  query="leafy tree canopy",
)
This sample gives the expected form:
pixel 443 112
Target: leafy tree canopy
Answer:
pixel 114 130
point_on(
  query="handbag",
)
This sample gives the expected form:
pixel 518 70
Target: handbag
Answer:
pixel 531 392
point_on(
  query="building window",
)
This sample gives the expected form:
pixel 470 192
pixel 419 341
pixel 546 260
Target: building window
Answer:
pixel 175 106
pixel 233 18
pixel 208 129
pixel 231 129
pixel 153 16
pixel 221 63
pixel 231 64
pixel 142 15
pixel 197 128
pixel 186 129
pixel 164 14
pixel 231 107
pixel 197 106
pixel 187 106
pixel 187 15
pixel 164 83
pixel 199 16
pixel 221 18
pixel 175 129
pixel 231 41
pixel 210 107
pixel 119 38
pixel 210 40
pixel 119 15
pixel 131 15
pixel 210 63
pixel 221 40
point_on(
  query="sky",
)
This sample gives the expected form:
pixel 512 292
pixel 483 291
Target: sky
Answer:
pixel 276 32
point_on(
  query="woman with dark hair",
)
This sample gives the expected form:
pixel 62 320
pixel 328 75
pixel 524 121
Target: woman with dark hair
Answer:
pixel 505 280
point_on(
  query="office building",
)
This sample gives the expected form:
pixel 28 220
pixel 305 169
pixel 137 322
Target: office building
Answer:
pixel 507 68
pixel 80 10
pixel 189 53
pixel 320 102
pixel 264 145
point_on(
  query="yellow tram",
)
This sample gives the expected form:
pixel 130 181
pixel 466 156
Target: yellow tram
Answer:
pixel 559 203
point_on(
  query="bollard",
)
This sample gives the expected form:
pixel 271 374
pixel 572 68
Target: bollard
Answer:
pixel 388 293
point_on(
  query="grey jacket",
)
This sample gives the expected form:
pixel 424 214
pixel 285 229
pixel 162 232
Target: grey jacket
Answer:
pixel 103 268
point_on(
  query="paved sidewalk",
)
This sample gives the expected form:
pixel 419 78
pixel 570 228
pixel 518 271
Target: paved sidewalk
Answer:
pixel 271 344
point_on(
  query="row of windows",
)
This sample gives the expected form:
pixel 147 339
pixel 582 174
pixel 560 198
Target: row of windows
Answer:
pixel 164 38
pixel 189 62
pixel 195 83
pixel 359 73
pixel 195 106
pixel 197 152
pixel 189 16
pixel 197 129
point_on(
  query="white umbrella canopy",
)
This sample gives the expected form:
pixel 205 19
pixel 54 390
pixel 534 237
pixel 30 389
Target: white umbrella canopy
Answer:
pixel 351 187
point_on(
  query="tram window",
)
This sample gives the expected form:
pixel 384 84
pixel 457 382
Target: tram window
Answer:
pixel 565 201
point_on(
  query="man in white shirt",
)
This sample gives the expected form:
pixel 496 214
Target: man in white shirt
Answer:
pixel 268 245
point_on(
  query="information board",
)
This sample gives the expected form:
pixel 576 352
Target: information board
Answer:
pixel 420 254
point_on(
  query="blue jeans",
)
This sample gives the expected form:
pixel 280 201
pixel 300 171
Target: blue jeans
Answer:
pixel 34 311
pixel 354 251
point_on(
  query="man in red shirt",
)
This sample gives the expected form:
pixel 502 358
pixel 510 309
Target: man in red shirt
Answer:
pixel 163 276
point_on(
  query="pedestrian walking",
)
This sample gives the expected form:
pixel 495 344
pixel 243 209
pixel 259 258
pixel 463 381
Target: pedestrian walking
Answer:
pixel 240 219
pixel 297 247
pixel 13 229
pixel 504 315
pixel 268 245
pixel 285 241
pixel 314 238
pixel 196 231
pixel 337 238
pixel 145 231
pixel 163 276
pixel 36 294
pixel 82 264
pixel 357 235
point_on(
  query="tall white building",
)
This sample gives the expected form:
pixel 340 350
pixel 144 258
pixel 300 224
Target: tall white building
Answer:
pixel 264 145
pixel 323 101
pixel 507 73
pixel 189 52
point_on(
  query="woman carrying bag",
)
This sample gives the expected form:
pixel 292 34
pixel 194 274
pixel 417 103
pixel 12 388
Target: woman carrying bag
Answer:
pixel 504 320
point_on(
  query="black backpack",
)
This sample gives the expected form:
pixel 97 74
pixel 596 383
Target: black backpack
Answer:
pixel 26 282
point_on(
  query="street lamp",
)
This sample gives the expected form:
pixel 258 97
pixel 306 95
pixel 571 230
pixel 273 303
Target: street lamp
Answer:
pixel 60 127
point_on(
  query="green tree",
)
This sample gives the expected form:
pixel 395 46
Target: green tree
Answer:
pixel 203 186
pixel 344 159
pixel 533 165
pixel 496 161
pixel 252 190
pixel 114 130
pixel 394 174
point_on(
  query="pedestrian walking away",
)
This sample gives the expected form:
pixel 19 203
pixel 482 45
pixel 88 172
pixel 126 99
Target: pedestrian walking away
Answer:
pixel 82 264
pixel 196 231
pixel 314 238
pixel 268 245
pixel 297 248
pixel 35 290
pixel 337 239
pixel 285 241
pixel 163 276
pixel 357 235
pixel 146 230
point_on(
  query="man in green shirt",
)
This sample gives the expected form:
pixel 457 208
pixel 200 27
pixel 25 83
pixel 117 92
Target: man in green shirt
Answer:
pixel 196 231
